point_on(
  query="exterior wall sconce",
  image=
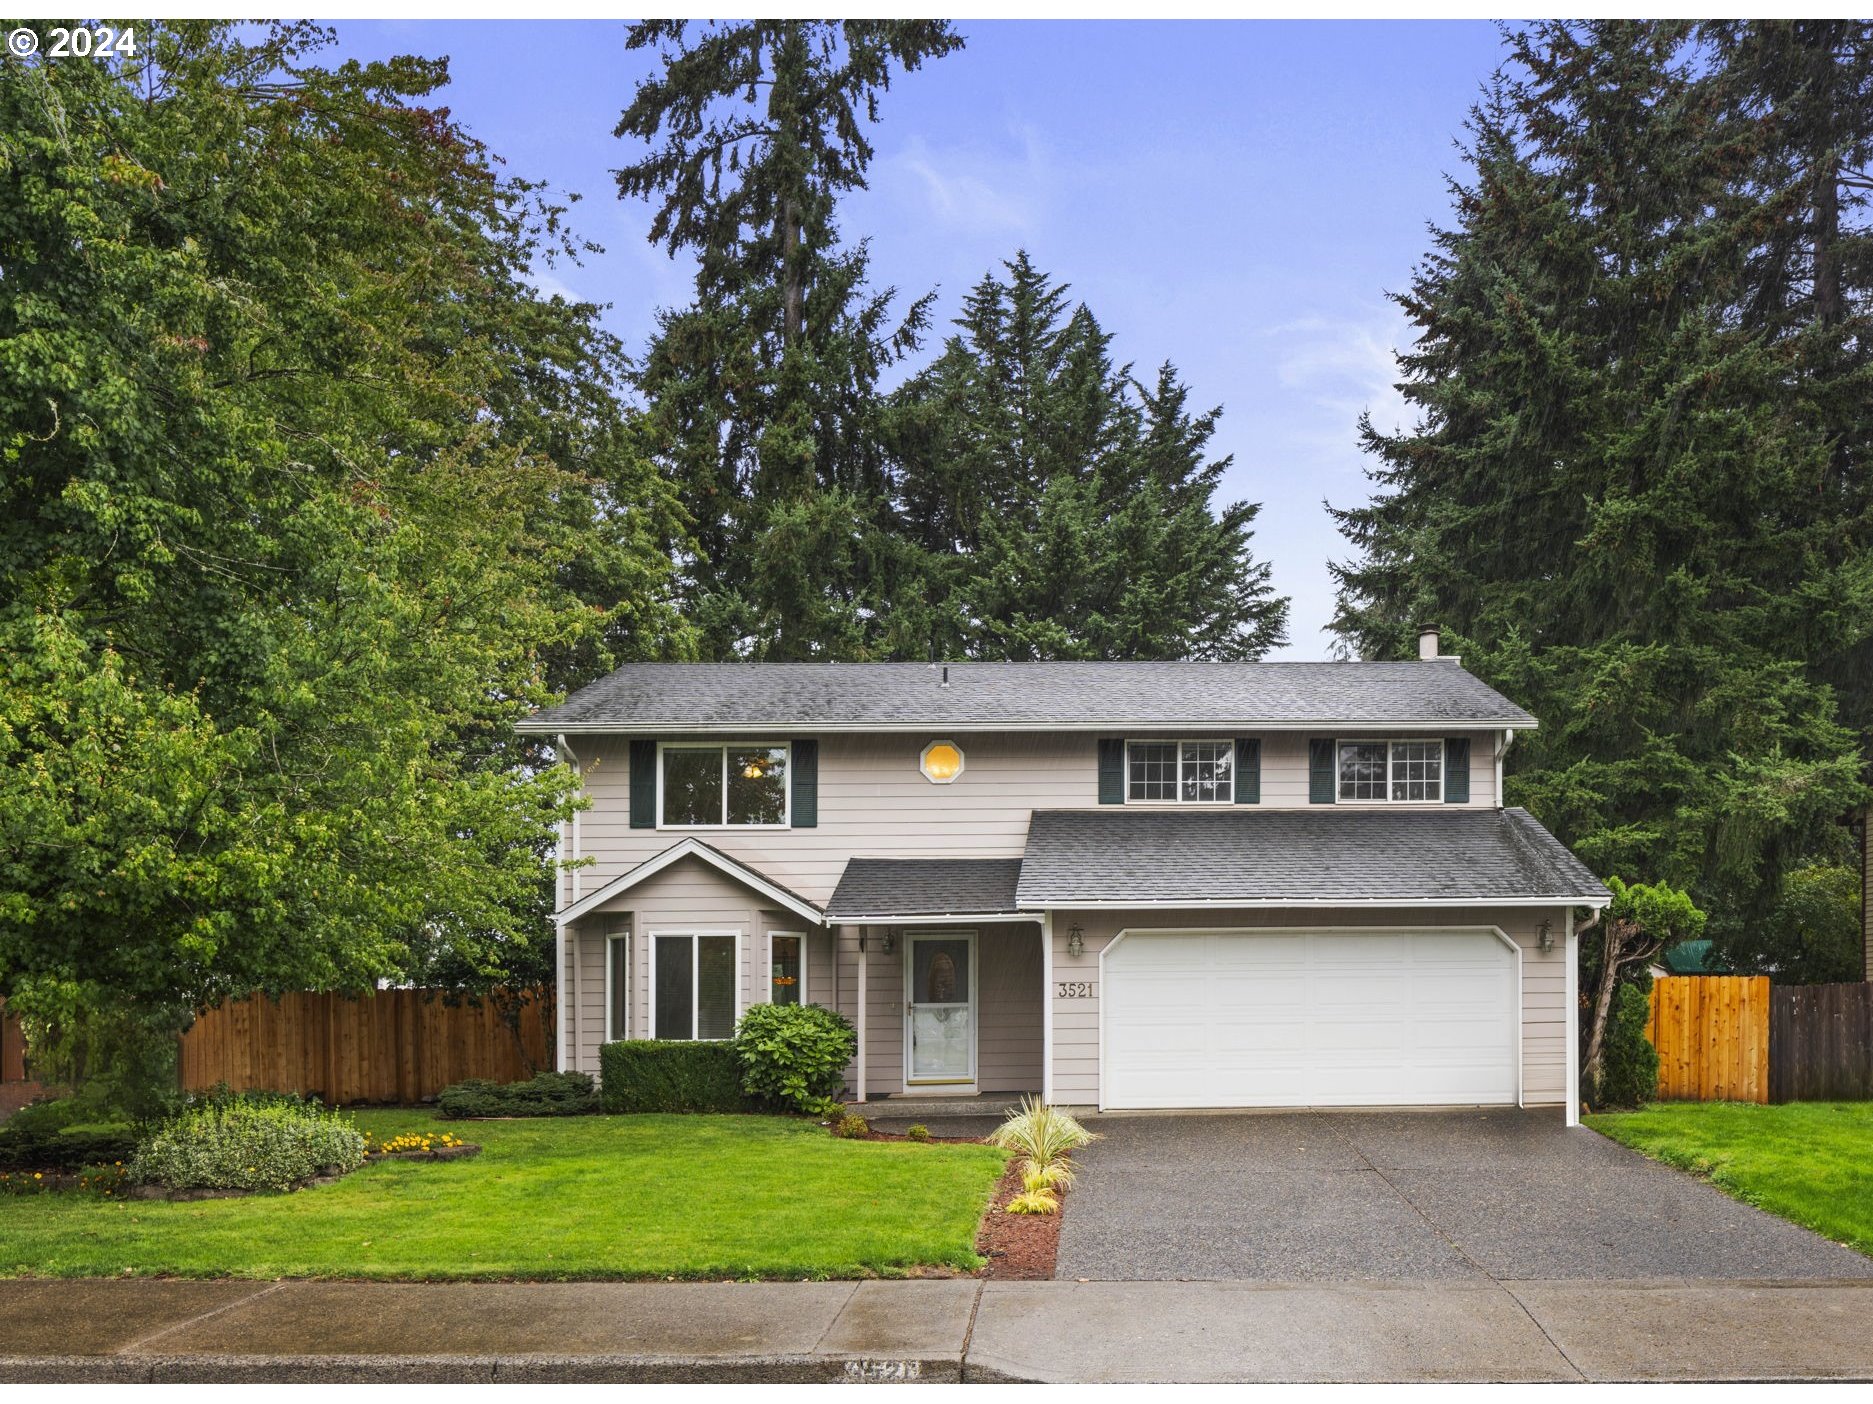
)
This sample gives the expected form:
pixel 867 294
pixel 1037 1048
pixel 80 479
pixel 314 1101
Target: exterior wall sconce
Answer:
pixel 1544 936
pixel 890 941
pixel 1076 944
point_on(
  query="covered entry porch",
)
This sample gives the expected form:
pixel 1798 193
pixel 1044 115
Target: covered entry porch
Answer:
pixel 942 979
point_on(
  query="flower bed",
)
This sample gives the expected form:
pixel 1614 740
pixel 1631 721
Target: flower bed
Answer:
pixel 417 1145
pixel 1019 1247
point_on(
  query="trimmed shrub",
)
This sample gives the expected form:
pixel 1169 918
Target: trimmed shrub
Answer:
pixel 1629 1062
pixel 851 1127
pixel 35 1139
pixel 241 1145
pixel 794 1056
pixel 919 1132
pixel 544 1094
pixel 645 1075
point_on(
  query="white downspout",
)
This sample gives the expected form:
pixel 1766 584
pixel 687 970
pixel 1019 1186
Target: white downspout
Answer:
pixel 569 1009
pixel 1502 751
pixel 1047 1006
pixel 1572 996
pixel 864 986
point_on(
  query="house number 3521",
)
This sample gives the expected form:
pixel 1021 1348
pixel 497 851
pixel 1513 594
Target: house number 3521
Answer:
pixel 1073 989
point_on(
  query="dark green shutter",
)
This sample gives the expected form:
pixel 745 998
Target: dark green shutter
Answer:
pixel 1111 771
pixel 1320 771
pixel 806 784
pixel 643 784
pixel 1248 770
pixel 1457 770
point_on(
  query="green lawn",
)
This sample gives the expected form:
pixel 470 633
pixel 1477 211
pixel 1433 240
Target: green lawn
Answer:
pixel 575 1197
pixel 1811 1162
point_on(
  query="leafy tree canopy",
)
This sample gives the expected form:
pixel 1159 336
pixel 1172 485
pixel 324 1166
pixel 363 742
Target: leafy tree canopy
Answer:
pixel 305 497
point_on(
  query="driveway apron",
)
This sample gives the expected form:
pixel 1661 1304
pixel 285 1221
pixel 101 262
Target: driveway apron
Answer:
pixel 1477 1195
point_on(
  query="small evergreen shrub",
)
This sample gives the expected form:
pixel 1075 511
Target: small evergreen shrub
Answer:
pixel 851 1127
pixel 1628 1061
pixel 645 1075
pixel 52 1136
pixel 919 1132
pixel 543 1094
pixel 793 1056
pixel 241 1145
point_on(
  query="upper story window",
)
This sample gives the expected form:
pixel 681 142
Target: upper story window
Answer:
pixel 720 786
pixel 1180 772
pixel 1392 770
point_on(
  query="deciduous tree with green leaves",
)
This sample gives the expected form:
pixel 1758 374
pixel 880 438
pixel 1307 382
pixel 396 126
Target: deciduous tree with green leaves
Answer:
pixel 305 497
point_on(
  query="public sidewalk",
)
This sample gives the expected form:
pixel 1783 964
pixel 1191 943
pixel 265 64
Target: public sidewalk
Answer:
pixel 940 1330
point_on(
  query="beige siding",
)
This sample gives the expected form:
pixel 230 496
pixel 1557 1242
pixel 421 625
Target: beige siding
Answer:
pixel 1544 980
pixel 874 803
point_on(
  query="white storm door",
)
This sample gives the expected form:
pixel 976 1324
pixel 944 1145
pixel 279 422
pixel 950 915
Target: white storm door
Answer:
pixel 940 1007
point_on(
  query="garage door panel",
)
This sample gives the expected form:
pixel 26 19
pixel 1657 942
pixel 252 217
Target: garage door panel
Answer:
pixel 1317 1018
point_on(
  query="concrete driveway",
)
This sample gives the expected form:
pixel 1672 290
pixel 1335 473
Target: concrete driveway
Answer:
pixel 1447 1196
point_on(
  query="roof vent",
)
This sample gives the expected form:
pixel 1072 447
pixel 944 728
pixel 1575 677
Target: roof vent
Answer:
pixel 1427 641
pixel 946 675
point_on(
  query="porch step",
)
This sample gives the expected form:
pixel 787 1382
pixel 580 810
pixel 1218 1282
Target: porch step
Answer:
pixel 922 1108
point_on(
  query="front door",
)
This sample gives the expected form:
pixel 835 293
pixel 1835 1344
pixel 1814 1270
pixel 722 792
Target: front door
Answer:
pixel 940 1046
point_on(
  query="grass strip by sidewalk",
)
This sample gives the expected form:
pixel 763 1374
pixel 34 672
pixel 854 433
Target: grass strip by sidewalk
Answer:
pixel 1809 1162
pixel 558 1198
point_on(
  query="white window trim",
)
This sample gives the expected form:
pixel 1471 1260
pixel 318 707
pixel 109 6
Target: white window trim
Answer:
pixel 612 941
pixel 725 747
pixel 695 982
pixel 1180 742
pixel 1443 766
pixel 768 978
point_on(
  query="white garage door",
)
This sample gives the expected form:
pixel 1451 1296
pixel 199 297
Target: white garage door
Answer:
pixel 1381 1018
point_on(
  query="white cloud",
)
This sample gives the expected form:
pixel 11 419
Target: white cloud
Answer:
pixel 1343 367
pixel 978 192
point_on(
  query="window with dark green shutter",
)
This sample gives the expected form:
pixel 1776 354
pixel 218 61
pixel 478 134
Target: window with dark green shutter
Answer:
pixel 806 784
pixel 1457 770
pixel 1320 771
pixel 1248 770
pixel 643 784
pixel 1111 771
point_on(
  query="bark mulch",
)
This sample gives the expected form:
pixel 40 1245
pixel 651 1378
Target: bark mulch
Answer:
pixel 1019 1247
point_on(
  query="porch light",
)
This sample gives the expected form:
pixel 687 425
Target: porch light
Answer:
pixel 890 941
pixel 1544 936
pixel 1076 944
pixel 941 762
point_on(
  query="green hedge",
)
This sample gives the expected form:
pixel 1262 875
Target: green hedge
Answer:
pixel 642 1075
pixel 544 1094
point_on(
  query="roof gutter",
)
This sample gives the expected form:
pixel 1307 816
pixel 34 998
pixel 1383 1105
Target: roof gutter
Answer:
pixel 1069 904
pixel 965 725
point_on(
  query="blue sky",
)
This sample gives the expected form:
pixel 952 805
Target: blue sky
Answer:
pixel 1237 197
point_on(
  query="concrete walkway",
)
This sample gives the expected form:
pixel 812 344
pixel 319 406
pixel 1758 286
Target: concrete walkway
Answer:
pixel 940 1330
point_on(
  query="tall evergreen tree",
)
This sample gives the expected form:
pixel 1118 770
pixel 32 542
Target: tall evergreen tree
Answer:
pixel 1616 494
pixel 1063 508
pixel 763 393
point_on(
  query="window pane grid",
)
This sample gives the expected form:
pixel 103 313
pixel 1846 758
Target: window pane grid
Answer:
pixel 1184 772
pixel 1153 770
pixel 1208 771
pixel 1417 770
pixel 1362 771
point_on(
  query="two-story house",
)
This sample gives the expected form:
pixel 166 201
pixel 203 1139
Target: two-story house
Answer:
pixel 1122 885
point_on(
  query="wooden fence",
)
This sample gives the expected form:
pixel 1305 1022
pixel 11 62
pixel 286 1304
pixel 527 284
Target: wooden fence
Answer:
pixel 1823 1041
pixel 1713 1037
pixel 392 1046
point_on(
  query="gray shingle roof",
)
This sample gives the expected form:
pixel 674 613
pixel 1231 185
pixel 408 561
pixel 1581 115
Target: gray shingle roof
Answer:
pixel 901 887
pixel 1328 855
pixel 645 697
